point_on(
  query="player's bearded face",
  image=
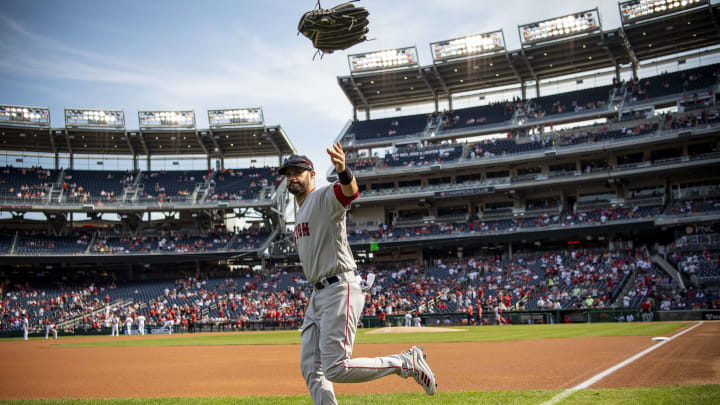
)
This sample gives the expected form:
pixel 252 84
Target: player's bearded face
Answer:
pixel 299 181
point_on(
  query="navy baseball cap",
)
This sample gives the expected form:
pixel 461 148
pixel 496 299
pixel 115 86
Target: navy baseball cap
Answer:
pixel 296 161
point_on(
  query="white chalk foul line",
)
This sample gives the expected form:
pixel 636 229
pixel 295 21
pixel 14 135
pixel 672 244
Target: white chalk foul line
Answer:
pixel 585 384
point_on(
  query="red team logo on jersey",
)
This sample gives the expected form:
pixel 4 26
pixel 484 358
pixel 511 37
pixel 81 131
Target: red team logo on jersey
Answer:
pixel 302 229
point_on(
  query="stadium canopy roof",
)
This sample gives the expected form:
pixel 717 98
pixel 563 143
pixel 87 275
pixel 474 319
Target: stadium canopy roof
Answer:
pixel 646 39
pixel 91 141
pixel 693 29
pixel 247 142
pixel 226 142
pixel 582 54
pixel 26 138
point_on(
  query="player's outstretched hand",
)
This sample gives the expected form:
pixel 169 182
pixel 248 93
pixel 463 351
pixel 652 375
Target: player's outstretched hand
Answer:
pixel 337 156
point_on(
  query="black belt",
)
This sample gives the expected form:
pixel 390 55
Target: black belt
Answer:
pixel 329 280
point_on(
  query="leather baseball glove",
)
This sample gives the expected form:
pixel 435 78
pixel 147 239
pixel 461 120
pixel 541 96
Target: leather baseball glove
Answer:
pixel 335 29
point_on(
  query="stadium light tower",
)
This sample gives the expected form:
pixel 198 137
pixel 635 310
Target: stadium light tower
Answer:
pixel 236 117
pixel 638 10
pixel 22 115
pixel 470 45
pixel 383 60
pixel 166 119
pixel 560 27
pixel 95 118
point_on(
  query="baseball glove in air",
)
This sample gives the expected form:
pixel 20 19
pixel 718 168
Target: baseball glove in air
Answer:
pixel 335 29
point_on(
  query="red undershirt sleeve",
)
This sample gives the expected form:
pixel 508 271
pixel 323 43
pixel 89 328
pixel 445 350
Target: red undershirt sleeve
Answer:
pixel 344 200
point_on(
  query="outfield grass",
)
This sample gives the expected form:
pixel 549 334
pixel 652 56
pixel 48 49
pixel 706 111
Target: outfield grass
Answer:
pixel 700 395
pixel 469 334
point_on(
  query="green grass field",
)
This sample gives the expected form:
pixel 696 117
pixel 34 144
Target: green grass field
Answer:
pixel 469 334
pixel 696 395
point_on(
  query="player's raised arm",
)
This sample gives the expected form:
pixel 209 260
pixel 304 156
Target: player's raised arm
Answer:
pixel 347 180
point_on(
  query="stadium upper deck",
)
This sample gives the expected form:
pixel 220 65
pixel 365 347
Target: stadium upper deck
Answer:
pixel 619 101
pixel 648 31
pixel 106 191
pixel 429 181
pixel 180 209
pixel 233 134
pixel 417 147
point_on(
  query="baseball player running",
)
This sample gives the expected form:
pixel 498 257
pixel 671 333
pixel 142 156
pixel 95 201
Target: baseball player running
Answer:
pixel 334 308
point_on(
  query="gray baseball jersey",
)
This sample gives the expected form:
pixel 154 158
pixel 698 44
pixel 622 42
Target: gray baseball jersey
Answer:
pixel 320 233
pixel 330 323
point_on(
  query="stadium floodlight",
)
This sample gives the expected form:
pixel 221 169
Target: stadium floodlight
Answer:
pixel 381 60
pixel 227 117
pixel 637 10
pixel 554 28
pixel 14 114
pixel 166 119
pixel 78 117
pixel 467 46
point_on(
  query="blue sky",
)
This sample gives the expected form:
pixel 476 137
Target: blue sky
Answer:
pixel 134 55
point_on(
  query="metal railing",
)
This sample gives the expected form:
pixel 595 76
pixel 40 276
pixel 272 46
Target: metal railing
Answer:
pixel 140 202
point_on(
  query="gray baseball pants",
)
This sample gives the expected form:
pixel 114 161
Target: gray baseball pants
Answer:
pixel 328 333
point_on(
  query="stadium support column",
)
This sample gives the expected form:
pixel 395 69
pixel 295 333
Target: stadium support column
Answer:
pixel 523 90
pixel 442 84
pixel 617 74
pixel 630 51
pixel 450 106
pixel 635 69
pixel 510 250
pixel 537 88
pixel 362 97
pixel 69 148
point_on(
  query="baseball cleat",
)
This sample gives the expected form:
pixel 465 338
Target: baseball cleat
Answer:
pixel 421 370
